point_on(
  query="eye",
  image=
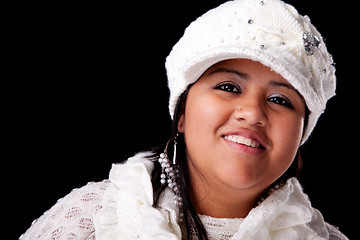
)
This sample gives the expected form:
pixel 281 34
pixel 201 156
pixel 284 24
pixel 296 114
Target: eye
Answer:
pixel 228 87
pixel 281 100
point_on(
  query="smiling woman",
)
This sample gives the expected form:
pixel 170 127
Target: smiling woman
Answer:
pixel 240 152
pixel 247 87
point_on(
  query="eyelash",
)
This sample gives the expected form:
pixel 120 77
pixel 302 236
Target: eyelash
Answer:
pixel 229 87
pixel 232 87
pixel 281 100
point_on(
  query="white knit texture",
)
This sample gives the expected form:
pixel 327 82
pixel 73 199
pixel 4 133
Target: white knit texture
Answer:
pixel 120 208
pixel 72 217
pixel 268 31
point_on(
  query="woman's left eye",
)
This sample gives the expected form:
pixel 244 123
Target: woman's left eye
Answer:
pixel 228 87
pixel 283 101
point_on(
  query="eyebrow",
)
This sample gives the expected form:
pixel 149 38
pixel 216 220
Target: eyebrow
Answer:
pixel 226 70
pixel 286 85
pixel 282 84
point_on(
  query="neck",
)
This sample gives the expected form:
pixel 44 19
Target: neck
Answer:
pixel 220 201
pixel 217 208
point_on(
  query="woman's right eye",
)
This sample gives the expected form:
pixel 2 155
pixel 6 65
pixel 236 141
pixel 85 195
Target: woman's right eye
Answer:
pixel 228 87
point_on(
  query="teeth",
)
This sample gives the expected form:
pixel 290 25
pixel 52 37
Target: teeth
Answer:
pixel 241 140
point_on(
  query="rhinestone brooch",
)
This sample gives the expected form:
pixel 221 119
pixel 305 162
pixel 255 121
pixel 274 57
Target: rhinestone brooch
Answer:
pixel 311 43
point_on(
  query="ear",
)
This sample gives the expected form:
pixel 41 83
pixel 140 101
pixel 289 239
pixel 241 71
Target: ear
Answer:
pixel 181 124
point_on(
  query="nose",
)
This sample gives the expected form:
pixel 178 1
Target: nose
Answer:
pixel 251 111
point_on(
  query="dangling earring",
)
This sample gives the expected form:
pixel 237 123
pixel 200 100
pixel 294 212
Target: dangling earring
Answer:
pixel 170 172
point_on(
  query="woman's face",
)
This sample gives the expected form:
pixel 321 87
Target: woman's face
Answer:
pixel 243 124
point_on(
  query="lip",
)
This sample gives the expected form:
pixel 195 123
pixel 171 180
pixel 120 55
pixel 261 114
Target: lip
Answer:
pixel 249 134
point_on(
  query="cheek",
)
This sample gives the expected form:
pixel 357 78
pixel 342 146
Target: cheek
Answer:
pixel 203 116
pixel 289 131
pixel 286 134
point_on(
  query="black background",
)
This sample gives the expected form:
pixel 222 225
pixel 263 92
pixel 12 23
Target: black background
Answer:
pixel 87 88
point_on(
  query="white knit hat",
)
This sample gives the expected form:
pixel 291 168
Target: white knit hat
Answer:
pixel 267 31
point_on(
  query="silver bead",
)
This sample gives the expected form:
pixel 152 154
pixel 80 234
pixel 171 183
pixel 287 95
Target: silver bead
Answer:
pixel 169 173
pixel 250 21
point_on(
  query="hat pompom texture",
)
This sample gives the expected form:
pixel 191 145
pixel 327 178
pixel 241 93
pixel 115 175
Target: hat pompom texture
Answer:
pixel 268 31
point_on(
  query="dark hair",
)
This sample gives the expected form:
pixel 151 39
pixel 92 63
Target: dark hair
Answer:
pixel 192 221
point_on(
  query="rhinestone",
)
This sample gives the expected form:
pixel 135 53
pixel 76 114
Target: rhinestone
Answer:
pixel 33 222
pixel 250 21
pixel 262 3
pixel 311 43
pixel 262 46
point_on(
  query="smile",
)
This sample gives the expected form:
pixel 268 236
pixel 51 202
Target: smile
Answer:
pixel 244 141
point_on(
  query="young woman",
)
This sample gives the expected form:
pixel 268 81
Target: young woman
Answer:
pixel 248 81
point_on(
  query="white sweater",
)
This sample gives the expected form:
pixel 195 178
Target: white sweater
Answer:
pixel 121 208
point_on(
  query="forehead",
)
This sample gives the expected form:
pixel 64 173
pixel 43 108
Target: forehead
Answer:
pixel 248 68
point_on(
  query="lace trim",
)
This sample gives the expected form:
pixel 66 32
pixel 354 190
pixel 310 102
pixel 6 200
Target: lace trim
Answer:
pixel 220 228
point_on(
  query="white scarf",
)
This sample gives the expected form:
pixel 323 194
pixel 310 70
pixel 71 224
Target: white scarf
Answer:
pixel 128 211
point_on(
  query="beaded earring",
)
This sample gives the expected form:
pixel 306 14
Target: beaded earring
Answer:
pixel 170 172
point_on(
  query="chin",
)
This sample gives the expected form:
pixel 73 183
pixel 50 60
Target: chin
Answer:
pixel 243 178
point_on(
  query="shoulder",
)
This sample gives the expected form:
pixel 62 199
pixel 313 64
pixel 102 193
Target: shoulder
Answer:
pixel 72 217
pixel 334 233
